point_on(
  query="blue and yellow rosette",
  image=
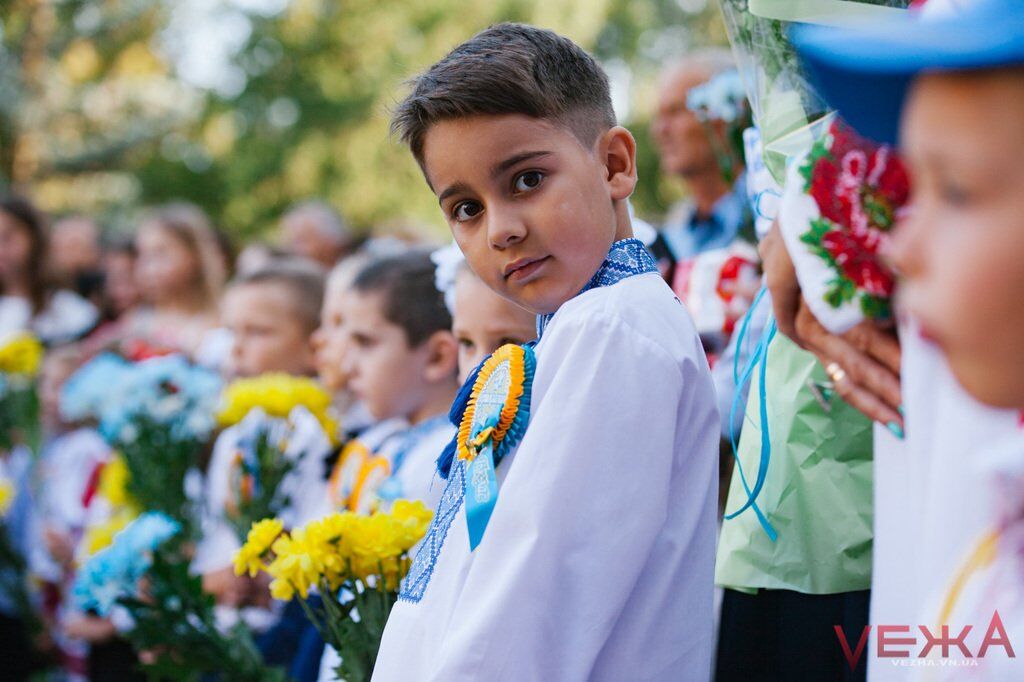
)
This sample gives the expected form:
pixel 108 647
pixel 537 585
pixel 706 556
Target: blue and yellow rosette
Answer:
pixel 493 423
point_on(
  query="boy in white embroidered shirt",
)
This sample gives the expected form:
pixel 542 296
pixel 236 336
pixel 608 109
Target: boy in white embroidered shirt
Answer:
pixel 598 557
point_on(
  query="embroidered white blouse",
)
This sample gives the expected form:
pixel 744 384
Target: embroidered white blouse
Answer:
pixel 598 560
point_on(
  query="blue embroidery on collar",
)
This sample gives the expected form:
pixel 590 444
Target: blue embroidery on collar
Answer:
pixel 415 583
pixel 626 258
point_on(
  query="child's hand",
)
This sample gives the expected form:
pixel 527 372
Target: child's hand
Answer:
pixel 92 629
pixel 226 588
pixel 258 592
pixel 59 546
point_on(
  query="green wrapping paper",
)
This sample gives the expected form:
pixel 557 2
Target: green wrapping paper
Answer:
pixel 817 493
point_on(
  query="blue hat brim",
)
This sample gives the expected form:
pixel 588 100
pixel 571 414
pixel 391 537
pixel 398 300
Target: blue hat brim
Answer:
pixel 865 73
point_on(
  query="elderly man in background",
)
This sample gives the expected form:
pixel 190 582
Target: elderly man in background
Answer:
pixel 714 212
pixel 315 231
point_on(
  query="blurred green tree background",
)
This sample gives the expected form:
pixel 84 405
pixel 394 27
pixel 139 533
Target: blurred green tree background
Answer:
pixel 246 106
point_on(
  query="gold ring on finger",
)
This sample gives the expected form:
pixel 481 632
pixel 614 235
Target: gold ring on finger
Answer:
pixel 835 372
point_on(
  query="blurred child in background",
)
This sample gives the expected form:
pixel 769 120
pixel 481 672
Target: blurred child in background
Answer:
pixel 28 299
pixel 120 289
pixel 272 313
pixel 400 360
pixel 483 321
pixel 72 458
pixel 180 271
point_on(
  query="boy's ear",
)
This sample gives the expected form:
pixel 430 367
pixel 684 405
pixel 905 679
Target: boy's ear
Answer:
pixel 442 357
pixel 618 150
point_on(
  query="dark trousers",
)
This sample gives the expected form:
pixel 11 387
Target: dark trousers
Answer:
pixel 16 652
pixel 294 643
pixel 779 635
pixel 114 661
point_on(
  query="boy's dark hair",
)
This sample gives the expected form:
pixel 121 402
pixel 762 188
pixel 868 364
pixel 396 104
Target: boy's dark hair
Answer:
pixel 304 282
pixel 509 69
pixel 410 296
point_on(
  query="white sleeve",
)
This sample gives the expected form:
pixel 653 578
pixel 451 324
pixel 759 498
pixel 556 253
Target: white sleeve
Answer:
pixel 218 543
pixel 582 505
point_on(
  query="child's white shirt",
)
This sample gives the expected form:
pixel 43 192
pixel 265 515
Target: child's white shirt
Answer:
pixel 598 560
pixel 307 445
pixel 417 477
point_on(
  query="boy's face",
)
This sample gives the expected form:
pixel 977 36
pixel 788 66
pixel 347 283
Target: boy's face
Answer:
pixel 484 321
pixel 961 247
pixel 268 334
pixel 330 339
pixel 383 371
pixel 533 210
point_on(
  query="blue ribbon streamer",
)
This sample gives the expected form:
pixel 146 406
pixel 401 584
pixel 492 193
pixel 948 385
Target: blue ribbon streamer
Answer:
pixel 481 494
pixel 758 360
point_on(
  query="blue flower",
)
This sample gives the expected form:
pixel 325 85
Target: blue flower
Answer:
pixel 114 572
pixel 720 99
pixel 169 390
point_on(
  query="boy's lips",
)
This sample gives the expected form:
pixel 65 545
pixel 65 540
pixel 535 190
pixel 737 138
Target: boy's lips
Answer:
pixel 522 268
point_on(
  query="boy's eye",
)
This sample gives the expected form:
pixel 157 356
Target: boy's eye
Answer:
pixel 466 210
pixel 465 343
pixel 527 181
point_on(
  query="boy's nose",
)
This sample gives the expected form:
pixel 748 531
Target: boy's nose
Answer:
pixel 505 229
pixel 904 249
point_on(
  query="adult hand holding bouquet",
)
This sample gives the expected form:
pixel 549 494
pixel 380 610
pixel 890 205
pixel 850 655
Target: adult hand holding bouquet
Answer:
pixel 355 562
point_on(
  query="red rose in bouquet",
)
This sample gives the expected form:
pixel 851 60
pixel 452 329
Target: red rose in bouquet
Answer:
pixel 858 187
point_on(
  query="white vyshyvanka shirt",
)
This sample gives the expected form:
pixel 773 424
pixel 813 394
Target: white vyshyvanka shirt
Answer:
pixel 598 560
pixel 307 445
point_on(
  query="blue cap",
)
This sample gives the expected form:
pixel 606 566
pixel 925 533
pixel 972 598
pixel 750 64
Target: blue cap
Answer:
pixel 864 73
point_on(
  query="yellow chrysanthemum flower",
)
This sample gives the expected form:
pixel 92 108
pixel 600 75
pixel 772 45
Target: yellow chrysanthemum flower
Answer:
pixel 298 559
pixel 281 589
pixel 277 394
pixel 413 519
pixel 6 495
pixel 21 353
pixel 102 535
pixel 113 484
pixel 338 548
pixel 249 559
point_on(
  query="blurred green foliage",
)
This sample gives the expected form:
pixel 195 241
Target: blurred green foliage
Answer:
pixel 96 116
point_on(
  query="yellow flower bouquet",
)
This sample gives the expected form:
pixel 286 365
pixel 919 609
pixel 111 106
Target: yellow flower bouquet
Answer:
pixel 20 357
pixel 355 562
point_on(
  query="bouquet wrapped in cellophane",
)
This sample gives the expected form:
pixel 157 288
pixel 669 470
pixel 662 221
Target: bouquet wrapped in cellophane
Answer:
pixel 145 572
pixel 355 562
pixel 20 357
pixel 158 415
pixel 788 111
pixel 280 422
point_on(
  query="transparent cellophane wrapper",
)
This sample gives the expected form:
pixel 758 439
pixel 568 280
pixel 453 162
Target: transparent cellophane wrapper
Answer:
pixel 787 110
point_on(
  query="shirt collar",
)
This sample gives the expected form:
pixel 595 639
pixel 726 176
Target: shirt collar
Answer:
pixel 626 258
